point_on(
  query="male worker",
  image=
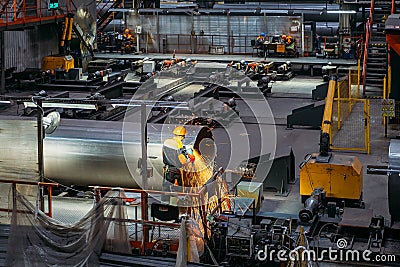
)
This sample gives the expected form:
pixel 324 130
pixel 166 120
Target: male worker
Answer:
pixel 260 39
pixel 284 39
pixel 128 41
pixel 287 40
pixel 175 156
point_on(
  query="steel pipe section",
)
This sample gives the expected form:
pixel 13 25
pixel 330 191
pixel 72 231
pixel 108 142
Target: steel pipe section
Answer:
pixel 84 153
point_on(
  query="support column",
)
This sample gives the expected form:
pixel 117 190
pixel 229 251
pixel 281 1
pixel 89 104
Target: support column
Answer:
pixel 302 35
pixel 40 136
pixel 2 65
pixel 143 131
pixel 228 29
pixel 144 195
pixel 158 33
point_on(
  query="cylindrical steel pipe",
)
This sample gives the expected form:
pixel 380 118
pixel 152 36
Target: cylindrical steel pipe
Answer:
pixel 86 153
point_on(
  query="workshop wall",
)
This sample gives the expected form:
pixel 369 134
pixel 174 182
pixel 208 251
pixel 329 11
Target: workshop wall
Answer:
pixel 25 49
pixel 196 33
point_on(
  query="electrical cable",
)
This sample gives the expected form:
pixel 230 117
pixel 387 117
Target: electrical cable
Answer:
pixel 62 185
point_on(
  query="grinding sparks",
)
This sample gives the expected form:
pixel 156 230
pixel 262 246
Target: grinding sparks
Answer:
pixel 197 173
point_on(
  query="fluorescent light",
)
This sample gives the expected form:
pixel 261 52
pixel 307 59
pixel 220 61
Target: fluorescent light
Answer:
pixel 276 11
pixel 341 12
pixel 121 10
pixel 5 102
pixel 61 105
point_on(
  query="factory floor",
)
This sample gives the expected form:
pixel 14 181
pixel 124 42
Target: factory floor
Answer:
pixel 285 96
pixel 288 95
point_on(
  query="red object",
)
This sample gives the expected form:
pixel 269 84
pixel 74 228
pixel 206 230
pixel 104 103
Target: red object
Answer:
pixel 394 41
pixel 130 199
pixel 191 157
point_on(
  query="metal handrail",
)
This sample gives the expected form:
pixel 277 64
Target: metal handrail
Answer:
pixel 101 9
pixel 12 15
pixel 14 184
pixel 326 124
pixel 368 28
pixel 101 18
pixel 144 202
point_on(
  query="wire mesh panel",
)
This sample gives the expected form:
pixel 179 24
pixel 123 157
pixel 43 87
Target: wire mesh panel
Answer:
pixel 350 116
pixel 350 125
pixel 376 119
pixel 341 109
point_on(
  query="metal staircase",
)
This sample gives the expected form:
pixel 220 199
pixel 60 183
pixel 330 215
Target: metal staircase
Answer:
pixel 375 57
pixel 105 14
pixel 376 67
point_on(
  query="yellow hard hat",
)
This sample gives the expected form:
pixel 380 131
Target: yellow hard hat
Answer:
pixel 126 31
pixel 179 130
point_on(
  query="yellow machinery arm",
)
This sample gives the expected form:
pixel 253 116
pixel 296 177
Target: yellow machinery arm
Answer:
pixel 64 33
pixel 67 31
pixel 324 142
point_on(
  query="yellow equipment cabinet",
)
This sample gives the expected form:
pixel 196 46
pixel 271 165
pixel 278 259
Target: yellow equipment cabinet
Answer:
pixel 340 177
pixel 57 62
pixel 280 48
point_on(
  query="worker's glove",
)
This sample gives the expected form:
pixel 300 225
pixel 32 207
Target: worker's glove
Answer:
pixel 188 150
pixel 191 158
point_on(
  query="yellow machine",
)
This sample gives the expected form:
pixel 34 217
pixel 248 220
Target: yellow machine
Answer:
pixel 65 61
pixel 339 175
pixel 57 62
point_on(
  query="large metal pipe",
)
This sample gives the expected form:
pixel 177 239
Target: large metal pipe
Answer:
pixel 92 153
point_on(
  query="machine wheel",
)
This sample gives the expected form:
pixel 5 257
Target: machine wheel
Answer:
pixel 393 194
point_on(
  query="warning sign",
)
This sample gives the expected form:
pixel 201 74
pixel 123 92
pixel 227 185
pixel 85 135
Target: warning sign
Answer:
pixel 388 106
